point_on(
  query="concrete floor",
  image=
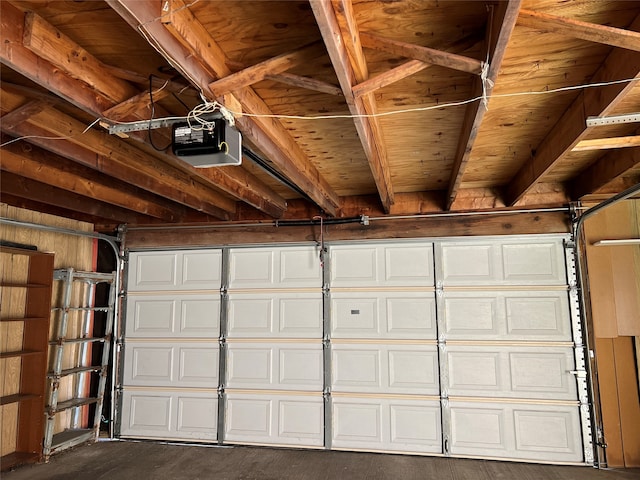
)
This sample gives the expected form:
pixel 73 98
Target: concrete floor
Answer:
pixel 147 460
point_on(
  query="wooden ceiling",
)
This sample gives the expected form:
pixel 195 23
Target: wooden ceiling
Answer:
pixel 424 106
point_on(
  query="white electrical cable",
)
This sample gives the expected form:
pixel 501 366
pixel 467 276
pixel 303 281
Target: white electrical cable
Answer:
pixel 44 137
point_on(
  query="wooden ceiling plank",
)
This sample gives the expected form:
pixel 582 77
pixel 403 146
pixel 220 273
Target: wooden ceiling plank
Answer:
pixel 607 143
pixel 184 39
pixel 609 168
pixel 306 83
pixel 424 54
pixel 502 23
pixel 23 159
pixel 616 37
pixel 132 106
pixel 12 185
pixel 257 73
pixel 571 128
pixel 77 92
pixel 49 43
pixel 351 69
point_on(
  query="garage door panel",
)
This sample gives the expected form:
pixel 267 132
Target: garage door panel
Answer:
pixel 381 424
pixel 547 432
pixel 177 270
pixel 291 267
pixel 510 316
pixel 502 262
pixel 164 365
pixel 187 316
pixel 275 366
pixel 382 265
pixel 277 419
pixel 197 417
pixel 528 432
pixel 541 263
pixel 401 369
pixel 406 315
pixel 511 372
pixel 201 269
pixel 478 428
pixel 169 415
pixel 291 315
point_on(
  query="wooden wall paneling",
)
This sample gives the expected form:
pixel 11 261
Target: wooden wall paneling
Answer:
pixel 600 275
pixel 624 264
pixel 628 401
pixel 607 383
pixel 71 251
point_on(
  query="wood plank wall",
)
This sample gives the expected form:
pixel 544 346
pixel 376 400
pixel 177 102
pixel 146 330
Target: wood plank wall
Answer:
pixel 614 281
pixel 70 251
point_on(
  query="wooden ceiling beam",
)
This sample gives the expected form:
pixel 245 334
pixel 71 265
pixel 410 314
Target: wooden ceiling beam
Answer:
pixel 46 41
pixel 46 196
pixel 592 32
pixel 407 69
pixel 29 161
pixel 610 167
pixel 23 113
pixel 134 105
pixel 196 54
pixel 59 78
pixel 341 37
pixel 124 161
pixel 396 74
pixel 424 54
pixel 571 128
pixel 607 143
pixel 502 21
pixel 256 73
pixel 305 82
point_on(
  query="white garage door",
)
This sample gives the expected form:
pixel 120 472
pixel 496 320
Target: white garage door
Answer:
pixel 171 352
pixel 462 347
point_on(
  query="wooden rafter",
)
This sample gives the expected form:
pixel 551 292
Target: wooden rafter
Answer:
pixel 61 77
pixel 607 143
pixel 616 37
pixel 36 164
pixel 306 83
pixel 424 54
pixel 257 73
pixel 501 27
pixel 125 161
pixel 610 167
pixel 407 69
pixel 133 105
pixel 30 194
pixel 339 31
pixel 572 128
pixel 191 48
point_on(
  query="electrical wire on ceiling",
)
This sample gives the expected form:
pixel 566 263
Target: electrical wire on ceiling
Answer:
pixel 210 107
pixel 153 111
pixel 205 107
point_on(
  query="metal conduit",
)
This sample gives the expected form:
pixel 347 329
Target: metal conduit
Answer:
pixel 362 219
pixel 113 243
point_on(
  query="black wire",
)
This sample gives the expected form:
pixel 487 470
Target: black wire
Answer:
pixel 180 100
pixel 153 111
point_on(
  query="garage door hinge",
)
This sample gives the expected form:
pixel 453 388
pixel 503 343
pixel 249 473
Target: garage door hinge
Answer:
pixel 579 373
